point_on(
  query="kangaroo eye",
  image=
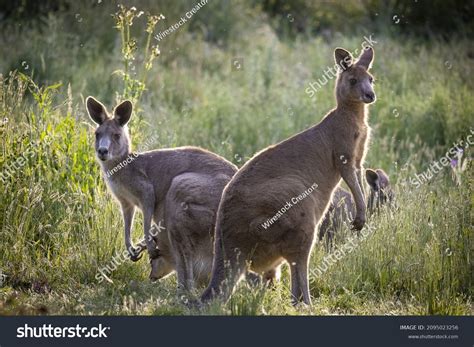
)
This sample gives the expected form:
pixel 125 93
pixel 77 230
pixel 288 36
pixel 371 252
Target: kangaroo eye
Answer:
pixel 97 136
pixel 371 80
pixel 117 137
pixel 352 81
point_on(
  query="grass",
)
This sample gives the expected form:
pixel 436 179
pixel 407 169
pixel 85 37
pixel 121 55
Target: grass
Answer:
pixel 59 224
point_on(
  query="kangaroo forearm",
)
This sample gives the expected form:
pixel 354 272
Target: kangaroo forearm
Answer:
pixel 350 177
pixel 140 247
pixel 147 231
pixel 361 182
pixel 127 213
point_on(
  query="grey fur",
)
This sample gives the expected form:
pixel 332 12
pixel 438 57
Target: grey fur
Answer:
pixel 180 186
pixel 332 149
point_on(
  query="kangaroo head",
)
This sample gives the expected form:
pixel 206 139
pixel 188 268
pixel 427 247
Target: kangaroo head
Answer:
pixel 354 83
pixel 111 136
pixel 160 268
pixel 380 189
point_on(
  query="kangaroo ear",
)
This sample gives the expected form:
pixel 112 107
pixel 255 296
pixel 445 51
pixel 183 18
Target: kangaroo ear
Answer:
pixel 343 58
pixel 384 180
pixel 123 112
pixel 366 58
pixel 96 110
pixel 372 178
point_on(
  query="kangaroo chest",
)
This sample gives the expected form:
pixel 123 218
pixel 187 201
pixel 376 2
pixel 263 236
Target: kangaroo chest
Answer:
pixel 123 192
pixel 361 136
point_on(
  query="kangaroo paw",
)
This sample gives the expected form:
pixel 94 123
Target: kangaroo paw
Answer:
pixel 135 254
pixel 358 223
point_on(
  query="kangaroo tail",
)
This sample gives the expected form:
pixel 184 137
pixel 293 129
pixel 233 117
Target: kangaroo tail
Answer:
pixel 218 268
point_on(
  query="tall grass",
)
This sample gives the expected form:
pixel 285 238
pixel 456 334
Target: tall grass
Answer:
pixel 59 224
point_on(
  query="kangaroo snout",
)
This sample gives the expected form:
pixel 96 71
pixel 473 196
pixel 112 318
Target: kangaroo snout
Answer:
pixel 160 268
pixel 369 97
pixel 102 153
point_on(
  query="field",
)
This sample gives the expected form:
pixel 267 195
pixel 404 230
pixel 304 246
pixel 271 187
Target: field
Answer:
pixel 231 80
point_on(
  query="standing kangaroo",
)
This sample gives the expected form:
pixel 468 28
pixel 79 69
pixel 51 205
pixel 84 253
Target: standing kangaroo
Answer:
pixel 342 208
pixel 180 186
pixel 305 168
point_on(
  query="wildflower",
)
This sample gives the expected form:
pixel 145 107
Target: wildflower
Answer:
pixel 152 21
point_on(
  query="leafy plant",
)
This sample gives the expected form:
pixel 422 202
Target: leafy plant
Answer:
pixel 133 74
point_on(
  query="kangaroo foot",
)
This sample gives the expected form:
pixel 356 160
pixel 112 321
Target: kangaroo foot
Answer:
pixel 135 254
pixel 358 223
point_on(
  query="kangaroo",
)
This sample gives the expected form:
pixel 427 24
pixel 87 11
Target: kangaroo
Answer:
pixel 380 189
pixel 303 170
pixel 164 265
pixel 341 209
pixel 342 206
pixel 181 187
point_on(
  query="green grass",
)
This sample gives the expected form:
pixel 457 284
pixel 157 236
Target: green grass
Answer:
pixel 59 224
